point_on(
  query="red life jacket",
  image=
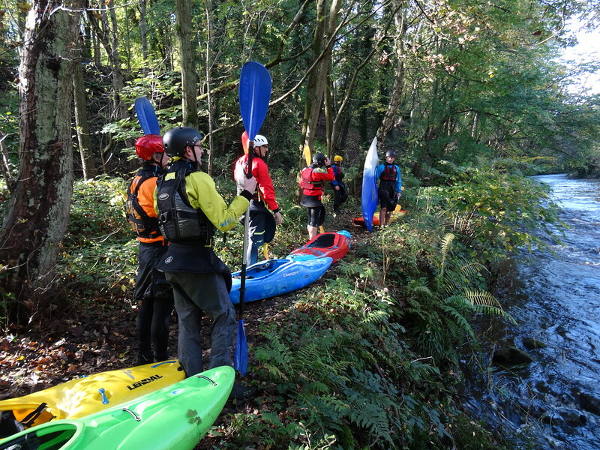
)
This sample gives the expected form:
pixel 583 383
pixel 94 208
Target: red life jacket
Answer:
pixel 308 185
pixel 389 173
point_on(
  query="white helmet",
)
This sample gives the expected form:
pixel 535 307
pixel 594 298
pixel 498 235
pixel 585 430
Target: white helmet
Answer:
pixel 260 140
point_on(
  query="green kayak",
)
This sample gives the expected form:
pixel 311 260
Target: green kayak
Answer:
pixel 175 417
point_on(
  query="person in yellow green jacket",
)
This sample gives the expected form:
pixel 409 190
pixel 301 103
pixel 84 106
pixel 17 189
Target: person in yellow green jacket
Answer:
pixel 189 210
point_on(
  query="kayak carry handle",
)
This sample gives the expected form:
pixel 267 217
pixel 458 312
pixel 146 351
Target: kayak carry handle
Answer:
pixel 204 377
pixel 105 400
pixel 133 414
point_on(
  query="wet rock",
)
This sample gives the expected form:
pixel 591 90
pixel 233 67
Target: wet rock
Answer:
pixel 543 387
pixel 533 344
pixel 565 416
pixel 572 417
pixel 510 356
pixel 550 417
pixel 553 442
pixel 590 403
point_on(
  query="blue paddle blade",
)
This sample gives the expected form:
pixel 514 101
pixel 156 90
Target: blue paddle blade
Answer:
pixel 255 93
pixel 240 356
pixel 146 116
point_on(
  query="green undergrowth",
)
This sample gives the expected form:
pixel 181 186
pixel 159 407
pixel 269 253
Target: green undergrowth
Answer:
pixel 368 357
pixel 363 361
pixel 98 256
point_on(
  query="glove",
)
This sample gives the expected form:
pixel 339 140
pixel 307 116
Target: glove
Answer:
pixel 278 218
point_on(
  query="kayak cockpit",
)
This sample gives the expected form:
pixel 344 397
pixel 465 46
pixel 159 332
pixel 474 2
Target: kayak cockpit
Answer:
pixel 50 437
pixel 262 268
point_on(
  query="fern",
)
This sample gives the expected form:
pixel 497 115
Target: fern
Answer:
pixel 460 320
pixel 486 303
pixel 446 245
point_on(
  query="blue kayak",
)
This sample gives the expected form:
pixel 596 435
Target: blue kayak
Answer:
pixel 274 277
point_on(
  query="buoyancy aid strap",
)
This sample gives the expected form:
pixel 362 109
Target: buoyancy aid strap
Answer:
pixel 150 224
pixel 29 419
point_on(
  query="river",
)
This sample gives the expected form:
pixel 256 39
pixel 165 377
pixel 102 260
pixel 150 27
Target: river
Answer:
pixel 554 296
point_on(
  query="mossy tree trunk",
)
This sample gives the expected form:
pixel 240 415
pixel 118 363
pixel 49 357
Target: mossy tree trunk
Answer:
pixel 393 111
pixel 143 32
pixel 189 77
pixel 327 19
pixel 38 209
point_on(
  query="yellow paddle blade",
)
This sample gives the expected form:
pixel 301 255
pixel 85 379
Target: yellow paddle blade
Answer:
pixel 307 155
pixel 265 249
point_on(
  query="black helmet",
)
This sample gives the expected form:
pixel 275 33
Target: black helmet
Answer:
pixel 319 159
pixel 177 139
pixel 390 154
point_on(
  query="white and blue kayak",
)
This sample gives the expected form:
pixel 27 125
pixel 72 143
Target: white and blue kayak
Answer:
pixel 274 277
pixel 369 196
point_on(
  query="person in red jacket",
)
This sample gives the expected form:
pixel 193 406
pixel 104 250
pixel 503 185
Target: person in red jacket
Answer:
pixel 312 180
pixel 151 288
pixel 262 223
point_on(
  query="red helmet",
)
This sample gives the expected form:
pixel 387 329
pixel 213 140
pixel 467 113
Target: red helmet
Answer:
pixel 148 145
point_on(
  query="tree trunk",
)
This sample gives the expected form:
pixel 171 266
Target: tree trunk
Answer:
pixel 329 118
pixel 96 47
pixel 109 41
pixel 393 110
pixel 143 33
pixel 5 165
pixel 326 24
pixel 81 121
pixel 38 210
pixel 208 7
pixel 189 77
pixel 118 79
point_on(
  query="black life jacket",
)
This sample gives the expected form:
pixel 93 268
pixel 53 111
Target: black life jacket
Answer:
pixel 143 225
pixel 178 221
pixel 389 173
pixel 310 187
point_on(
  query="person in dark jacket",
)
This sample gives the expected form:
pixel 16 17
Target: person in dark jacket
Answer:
pixel 390 186
pixel 312 179
pixel 151 288
pixel 340 194
pixel 189 210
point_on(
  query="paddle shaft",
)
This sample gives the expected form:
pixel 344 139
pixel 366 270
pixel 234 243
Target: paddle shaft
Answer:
pixel 246 237
pixel 254 95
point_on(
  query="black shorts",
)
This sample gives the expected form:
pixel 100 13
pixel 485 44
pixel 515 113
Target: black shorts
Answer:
pixel 387 195
pixel 149 282
pixel 316 216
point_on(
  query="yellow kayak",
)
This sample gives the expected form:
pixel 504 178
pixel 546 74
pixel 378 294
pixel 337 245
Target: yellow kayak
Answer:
pixel 86 395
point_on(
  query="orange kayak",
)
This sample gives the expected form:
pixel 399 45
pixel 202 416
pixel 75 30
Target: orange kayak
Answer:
pixel 361 221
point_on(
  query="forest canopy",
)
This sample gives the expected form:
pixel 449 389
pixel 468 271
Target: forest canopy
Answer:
pixel 446 82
